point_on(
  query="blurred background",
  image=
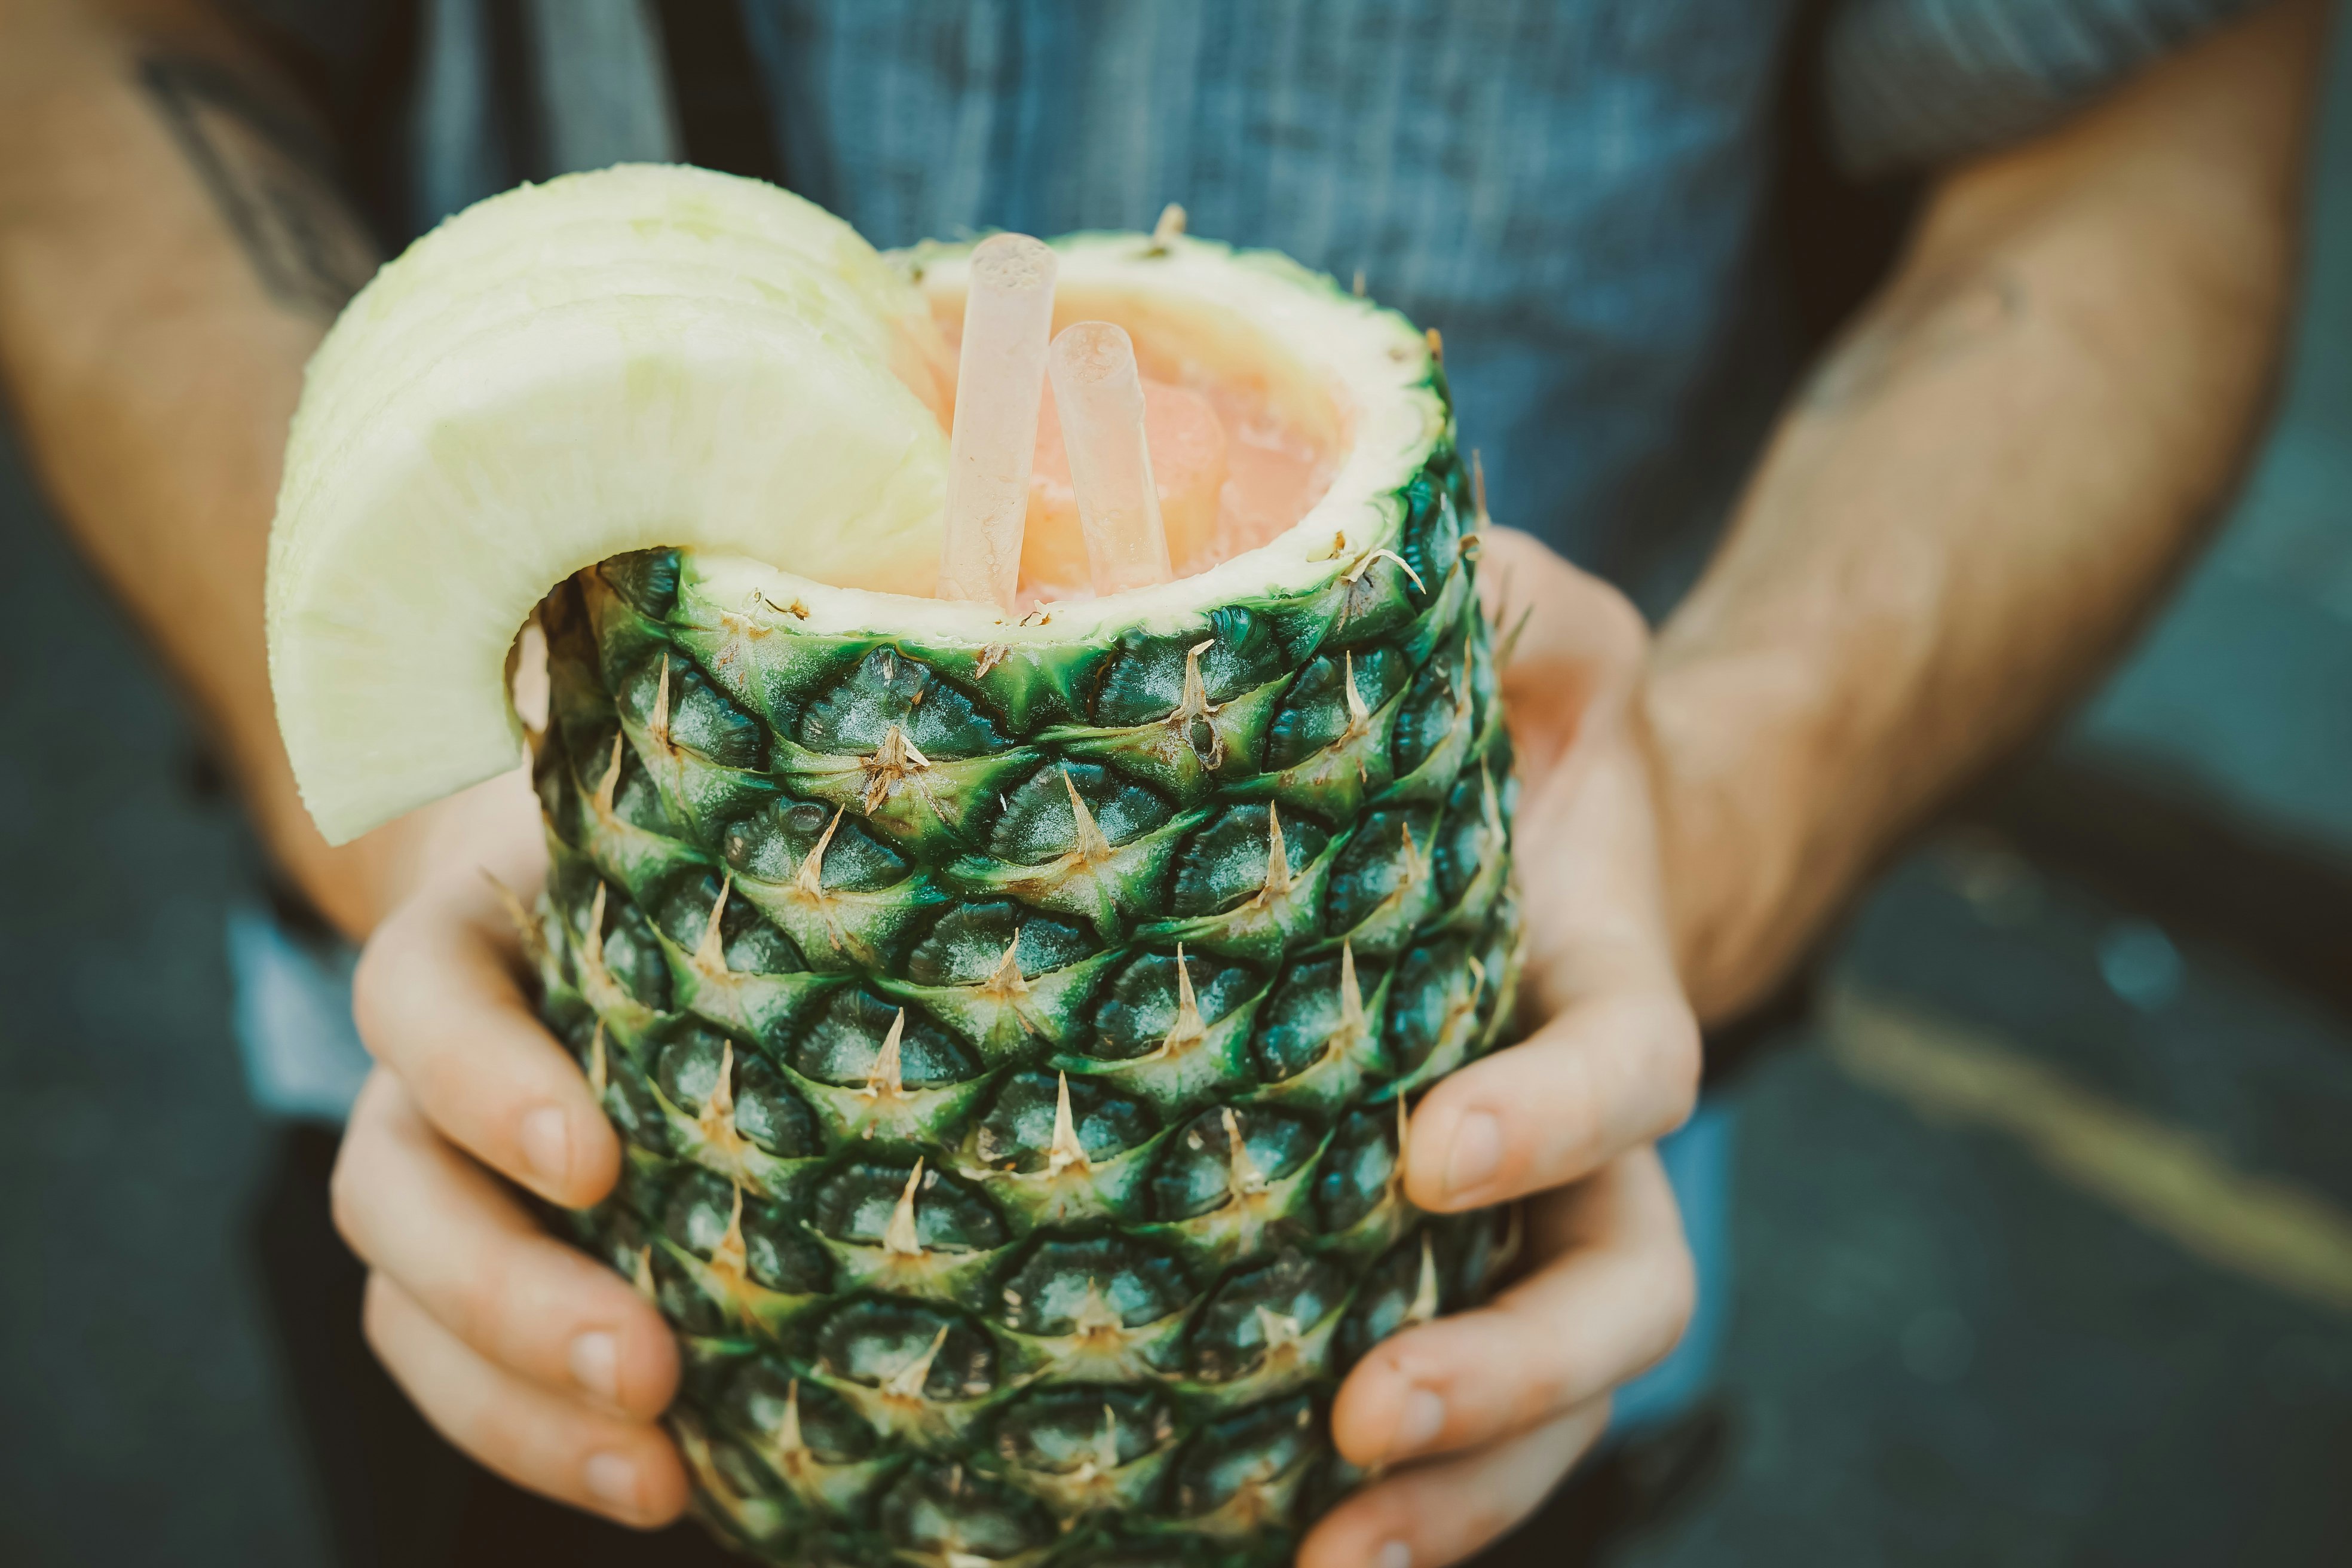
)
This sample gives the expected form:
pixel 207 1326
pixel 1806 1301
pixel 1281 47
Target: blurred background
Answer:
pixel 2044 1229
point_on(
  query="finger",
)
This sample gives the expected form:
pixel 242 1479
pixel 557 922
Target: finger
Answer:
pixel 1435 1515
pixel 1608 1074
pixel 438 1003
pixel 626 1470
pixel 464 1251
pixel 1571 646
pixel 1613 1301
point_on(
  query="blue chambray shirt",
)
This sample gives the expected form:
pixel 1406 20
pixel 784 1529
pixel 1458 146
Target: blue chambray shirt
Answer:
pixel 1575 192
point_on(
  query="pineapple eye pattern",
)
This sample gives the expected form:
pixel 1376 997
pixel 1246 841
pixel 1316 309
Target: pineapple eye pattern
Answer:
pixel 1014 1053
pixel 1019 1130
pixel 769 1404
pixel 1085 1427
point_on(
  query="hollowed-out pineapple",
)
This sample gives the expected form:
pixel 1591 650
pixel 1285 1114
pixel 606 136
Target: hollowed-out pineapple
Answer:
pixel 1011 1023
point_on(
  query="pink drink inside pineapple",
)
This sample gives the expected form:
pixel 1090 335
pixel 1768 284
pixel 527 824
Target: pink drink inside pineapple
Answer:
pixel 1233 465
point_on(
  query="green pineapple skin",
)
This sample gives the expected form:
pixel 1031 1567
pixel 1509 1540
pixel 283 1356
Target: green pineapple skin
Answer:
pixel 1121 1360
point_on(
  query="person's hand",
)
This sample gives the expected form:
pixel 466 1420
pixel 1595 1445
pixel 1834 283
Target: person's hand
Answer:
pixel 529 1354
pixel 1485 1411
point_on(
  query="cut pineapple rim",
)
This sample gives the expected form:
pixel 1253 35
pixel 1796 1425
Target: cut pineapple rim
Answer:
pixel 662 357
pixel 1354 380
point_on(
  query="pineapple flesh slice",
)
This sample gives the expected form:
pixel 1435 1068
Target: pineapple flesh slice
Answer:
pixel 1011 1023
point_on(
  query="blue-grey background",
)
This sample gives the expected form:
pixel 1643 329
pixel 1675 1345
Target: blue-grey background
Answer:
pixel 2044 1233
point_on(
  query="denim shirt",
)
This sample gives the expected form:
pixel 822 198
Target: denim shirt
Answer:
pixel 1575 193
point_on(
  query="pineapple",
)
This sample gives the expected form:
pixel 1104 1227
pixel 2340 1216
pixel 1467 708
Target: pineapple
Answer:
pixel 1013 1025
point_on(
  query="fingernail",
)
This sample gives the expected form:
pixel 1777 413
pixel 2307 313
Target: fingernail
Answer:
pixel 1395 1554
pixel 547 1144
pixel 613 1481
pixel 596 1366
pixel 1475 1154
pixel 1417 1425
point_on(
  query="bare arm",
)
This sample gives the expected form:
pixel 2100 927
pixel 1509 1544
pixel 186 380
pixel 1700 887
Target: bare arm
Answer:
pixel 1980 490
pixel 171 249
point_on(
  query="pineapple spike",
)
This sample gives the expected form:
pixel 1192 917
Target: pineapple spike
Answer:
pixel 1511 639
pixel 1189 1030
pixel 1515 1236
pixel 729 1259
pixel 1277 858
pixel 1436 345
pixel 1359 717
pixel 908 1382
pixel 1168 229
pixel 644 1276
pixel 1280 1330
pixel 1415 866
pixel 1424 1295
pixel 1093 848
pixel 710 953
pixel 1242 1177
pixel 660 725
pixel 597 1073
pixel 789 1444
pixel 1068 1153
pixel 1351 994
pixel 1196 705
pixel 899 1237
pixel 591 949
pixel 534 941
pixel 1462 676
pixel 606 790
pixel 1095 1317
pixel 884 1081
pixel 810 877
pixel 1478 491
pixel 719 1109
pixel 1404 1134
pixel 894 761
pixel 1357 288
pixel 1106 1445
pixel 1355 573
pixel 1006 982
pixel 1490 807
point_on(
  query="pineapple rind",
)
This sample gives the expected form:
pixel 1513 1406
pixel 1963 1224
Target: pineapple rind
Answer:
pixel 867 880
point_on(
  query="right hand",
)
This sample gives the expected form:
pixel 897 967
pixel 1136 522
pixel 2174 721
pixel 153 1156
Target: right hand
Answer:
pixel 526 1353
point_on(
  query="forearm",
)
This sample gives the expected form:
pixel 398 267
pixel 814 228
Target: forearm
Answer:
pixel 1963 513
pixel 167 263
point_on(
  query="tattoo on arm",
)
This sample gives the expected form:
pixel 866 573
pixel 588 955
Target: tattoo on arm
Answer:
pixel 268 173
pixel 1941 324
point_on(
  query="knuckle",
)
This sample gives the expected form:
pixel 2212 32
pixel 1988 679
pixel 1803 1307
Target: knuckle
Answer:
pixel 1565 1133
pixel 375 980
pixel 375 1312
pixel 1679 1292
pixel 446 1080
pixel 1672 1299
pixel 1683 1056
pixel 347 1193
pixel 477 1305
pixel 1662 1071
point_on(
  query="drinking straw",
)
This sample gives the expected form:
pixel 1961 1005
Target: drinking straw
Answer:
pixel 1000 378
pixel 1099 395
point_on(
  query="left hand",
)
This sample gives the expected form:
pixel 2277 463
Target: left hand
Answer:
pixel 1486 1411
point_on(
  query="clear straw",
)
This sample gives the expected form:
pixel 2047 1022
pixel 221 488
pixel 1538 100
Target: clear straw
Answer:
pixel 1100 397
pixel 1000 379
